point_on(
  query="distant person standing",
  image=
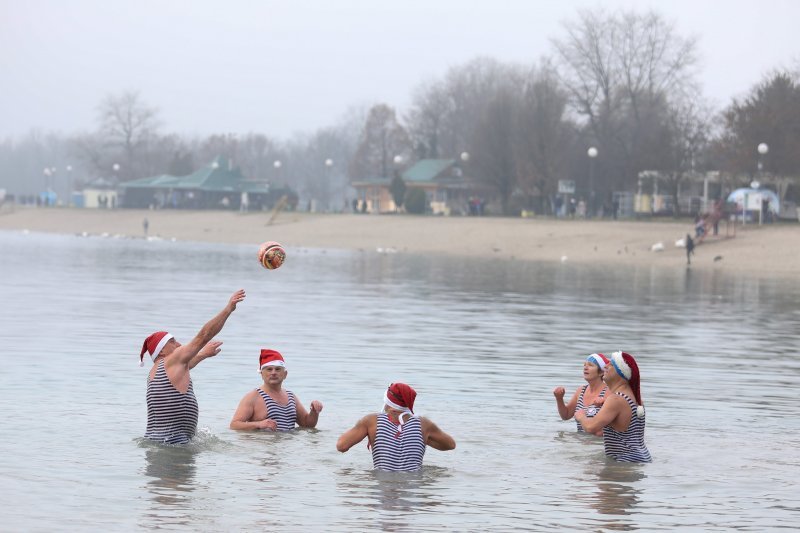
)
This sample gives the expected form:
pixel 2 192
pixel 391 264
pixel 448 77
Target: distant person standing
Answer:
pixel 172 409
pixel 145 225
pixel 689 249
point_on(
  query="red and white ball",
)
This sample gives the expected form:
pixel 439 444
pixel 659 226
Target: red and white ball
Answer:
pixel 271 255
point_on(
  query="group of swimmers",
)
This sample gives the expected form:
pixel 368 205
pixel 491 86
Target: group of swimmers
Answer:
pixel 397 437
pixel 609 405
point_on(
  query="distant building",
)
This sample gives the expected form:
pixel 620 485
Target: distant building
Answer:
pixel 447 190
pixel 218 185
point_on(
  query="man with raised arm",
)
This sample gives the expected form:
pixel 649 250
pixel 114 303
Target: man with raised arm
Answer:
pixel 397 444
pixel 171 405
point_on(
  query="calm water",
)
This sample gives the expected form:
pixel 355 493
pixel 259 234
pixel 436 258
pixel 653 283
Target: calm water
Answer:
pixel 483 343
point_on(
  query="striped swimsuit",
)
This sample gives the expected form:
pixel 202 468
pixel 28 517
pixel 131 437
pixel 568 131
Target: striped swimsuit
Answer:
pixel 171 415
pixel 590 410
pixel 627 446
pixel 285 416
pixel 398 454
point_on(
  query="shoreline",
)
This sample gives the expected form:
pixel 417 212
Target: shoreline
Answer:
pixel 769 250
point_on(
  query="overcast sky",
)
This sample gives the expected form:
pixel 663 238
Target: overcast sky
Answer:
pixel 281 67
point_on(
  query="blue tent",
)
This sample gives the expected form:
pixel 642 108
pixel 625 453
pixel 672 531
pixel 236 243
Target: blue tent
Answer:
pixel 737 197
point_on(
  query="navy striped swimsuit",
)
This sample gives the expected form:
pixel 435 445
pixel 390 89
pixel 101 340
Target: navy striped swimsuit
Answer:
pixel 171 415
pixel 627 446
pixel 590 410
pixel 285 416
pixel 395 453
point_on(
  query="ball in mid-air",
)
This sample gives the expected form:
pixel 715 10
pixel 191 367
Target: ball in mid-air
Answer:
pixel 271 255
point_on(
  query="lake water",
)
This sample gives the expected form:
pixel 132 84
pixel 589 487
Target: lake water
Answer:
pixel 484 342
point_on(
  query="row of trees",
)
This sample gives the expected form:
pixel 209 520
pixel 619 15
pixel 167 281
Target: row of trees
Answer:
pixel 623 83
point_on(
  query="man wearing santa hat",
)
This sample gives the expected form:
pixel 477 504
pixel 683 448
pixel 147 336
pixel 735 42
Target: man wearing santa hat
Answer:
pixel 622 416
pixel 270 406
pixel 397 436
pixel 171 405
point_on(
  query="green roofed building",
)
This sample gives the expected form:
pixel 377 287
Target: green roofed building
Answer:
pixel 218 185
pixel 447 190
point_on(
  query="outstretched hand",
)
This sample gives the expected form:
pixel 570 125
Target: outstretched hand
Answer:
pixel 237 297
pixel 210 350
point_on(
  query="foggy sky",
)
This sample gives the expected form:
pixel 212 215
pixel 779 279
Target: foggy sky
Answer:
pixel 281 67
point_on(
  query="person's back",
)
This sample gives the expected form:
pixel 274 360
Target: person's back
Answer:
pixel 397 436
pixel 398 451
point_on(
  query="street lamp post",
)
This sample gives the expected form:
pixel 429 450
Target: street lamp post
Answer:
pixel 762 148
pixel 328 167
pixel 592 153
pixel 69 185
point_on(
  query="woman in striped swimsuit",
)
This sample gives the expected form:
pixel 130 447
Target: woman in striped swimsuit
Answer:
pixel 589 396
pixel 397 436
pixel 270 406
pixel 622 415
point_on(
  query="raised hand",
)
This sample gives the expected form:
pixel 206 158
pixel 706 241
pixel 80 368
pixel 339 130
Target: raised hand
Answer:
pixel 237 297
pixel 558 392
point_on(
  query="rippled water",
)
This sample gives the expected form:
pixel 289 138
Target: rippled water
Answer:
pixel 483 343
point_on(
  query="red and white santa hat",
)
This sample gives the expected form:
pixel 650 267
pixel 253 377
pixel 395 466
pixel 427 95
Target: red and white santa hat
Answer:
pixel 154 344
pixel 598 359
pixel 626 367
pixel 400 397
pixel 270 358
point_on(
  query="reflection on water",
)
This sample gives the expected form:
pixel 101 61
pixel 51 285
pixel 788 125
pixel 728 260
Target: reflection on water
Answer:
pixel 617 493
pixel 397 495
pixel 170 478
pixel 484 343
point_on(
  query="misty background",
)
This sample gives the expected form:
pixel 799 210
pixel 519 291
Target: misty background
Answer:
pixel 126 90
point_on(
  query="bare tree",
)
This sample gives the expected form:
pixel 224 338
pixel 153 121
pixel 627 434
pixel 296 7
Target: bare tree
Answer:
pixel 494 146
pixel 686 136
pixel 620 70
pixel 382 139
pixel 545 136
pixel 127 124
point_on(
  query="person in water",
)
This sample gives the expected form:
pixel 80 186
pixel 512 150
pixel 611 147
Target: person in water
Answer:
pixel 589 396
pixel 270 406
pixel 171 404
pixel 396 435
pixel 622 417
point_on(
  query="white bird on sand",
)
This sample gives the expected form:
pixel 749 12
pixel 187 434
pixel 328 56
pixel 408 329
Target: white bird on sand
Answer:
pixel 657 247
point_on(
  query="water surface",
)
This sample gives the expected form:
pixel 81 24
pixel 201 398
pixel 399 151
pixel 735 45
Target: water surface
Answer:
pixel 484 343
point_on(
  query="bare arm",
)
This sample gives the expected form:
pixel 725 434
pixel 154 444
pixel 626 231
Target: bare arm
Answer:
pixel 209 350
pixel 243 417
pixel 566 411
pixel 436 438
pixel 306 419
pixel 606 416
pixel 354 435
pixel 186 353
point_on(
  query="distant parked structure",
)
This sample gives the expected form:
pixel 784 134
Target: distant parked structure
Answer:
pixel 217 185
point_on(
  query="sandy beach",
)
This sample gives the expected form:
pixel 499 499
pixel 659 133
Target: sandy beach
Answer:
pixel 769 249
